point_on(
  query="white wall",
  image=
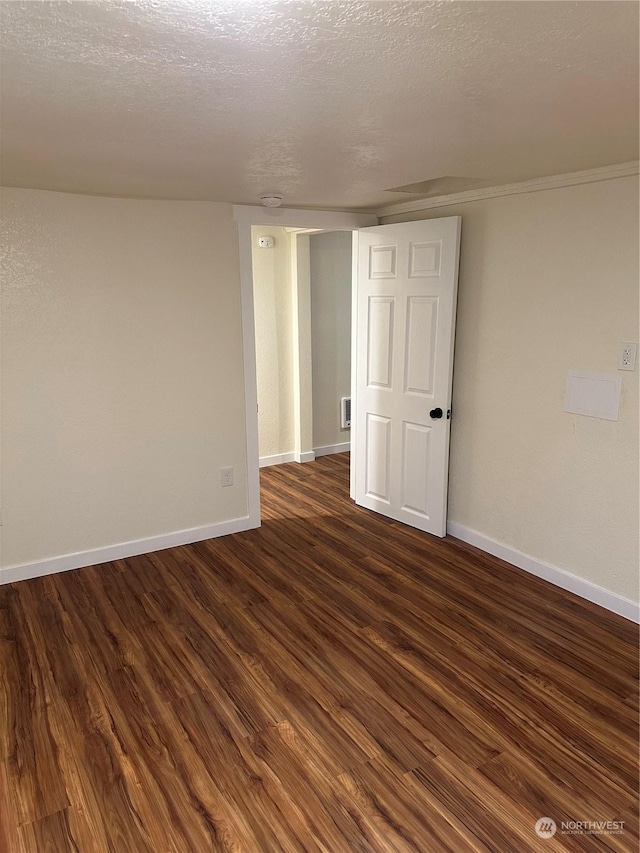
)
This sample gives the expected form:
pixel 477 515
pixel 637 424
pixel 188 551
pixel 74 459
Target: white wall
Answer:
pixel 548 283
pixel 330 263
pixel 122 371
pixel 274 341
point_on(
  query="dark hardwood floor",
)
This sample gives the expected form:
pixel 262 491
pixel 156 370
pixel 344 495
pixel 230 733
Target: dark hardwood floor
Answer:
pixel 331 682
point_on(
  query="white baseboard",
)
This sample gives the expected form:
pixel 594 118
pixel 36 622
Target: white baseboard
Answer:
pixel 121 551
pixel 281 458
pixel 277 459
pixel 559 577
pixel 328 449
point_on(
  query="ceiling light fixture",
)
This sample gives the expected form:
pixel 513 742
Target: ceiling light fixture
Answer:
pixel 271 200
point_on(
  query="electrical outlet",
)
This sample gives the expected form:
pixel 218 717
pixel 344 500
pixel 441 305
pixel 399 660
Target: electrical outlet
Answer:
pixel 628 355
pixel 226 476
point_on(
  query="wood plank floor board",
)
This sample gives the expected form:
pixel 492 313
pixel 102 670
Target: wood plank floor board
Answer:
pixel 616 671
pixel 249 785
pixel 494 573
pixel 514 615
pixel 368 669
pixel 331 682
pixel 303 778
pixel 50 834
pixel 219 667
pixel 406 818
pixel 453 673
pixel 538 793
pixel 347 688
pixel 619 842
pixel 491 814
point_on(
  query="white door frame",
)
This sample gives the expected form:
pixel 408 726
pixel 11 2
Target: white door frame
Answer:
pixel 246 216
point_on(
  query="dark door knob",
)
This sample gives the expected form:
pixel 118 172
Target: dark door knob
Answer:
pixel 436 413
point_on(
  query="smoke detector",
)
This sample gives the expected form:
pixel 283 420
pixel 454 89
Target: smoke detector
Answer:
pixel 271 200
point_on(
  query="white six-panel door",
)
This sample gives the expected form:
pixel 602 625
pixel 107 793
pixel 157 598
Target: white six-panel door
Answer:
pixel 406 303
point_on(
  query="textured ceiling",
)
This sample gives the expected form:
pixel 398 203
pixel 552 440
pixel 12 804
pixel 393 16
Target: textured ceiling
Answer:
pixel 328 103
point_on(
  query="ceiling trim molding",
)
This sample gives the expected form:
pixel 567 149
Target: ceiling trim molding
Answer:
pixel 333 220
pixel 571 179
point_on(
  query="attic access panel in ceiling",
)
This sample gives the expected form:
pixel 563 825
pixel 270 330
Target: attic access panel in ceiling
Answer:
pixel 444 185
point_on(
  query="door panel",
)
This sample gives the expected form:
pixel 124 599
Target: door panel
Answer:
pixel 419 357
pixel 380 342
pixel 415 468
pixel 405 300
pixel 382 261
pixel 378 457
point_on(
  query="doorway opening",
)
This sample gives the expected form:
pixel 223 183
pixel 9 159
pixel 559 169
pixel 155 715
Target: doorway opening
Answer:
pixel 300 226
pixel 302 293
